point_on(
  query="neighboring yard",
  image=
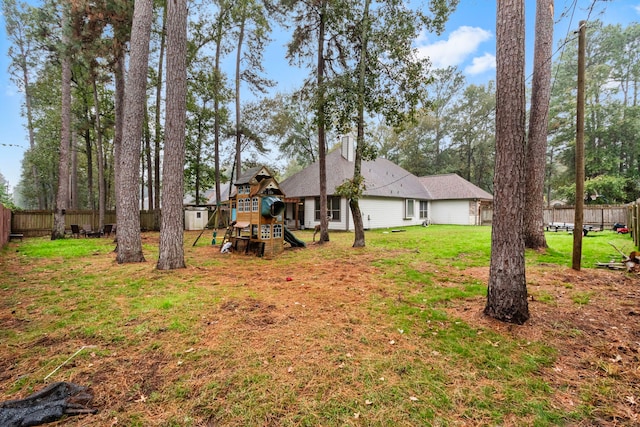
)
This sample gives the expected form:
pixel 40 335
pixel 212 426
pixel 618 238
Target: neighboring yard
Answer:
pixel 389 335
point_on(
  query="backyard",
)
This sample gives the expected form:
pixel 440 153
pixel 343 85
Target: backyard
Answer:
pixel 391 334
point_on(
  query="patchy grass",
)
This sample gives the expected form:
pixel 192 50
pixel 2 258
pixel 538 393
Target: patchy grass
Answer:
pixel 390 334
pixel 65 248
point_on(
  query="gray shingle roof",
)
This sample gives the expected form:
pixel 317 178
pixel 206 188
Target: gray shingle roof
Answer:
pixel 452 186
pixel 381 178
pixel 210 196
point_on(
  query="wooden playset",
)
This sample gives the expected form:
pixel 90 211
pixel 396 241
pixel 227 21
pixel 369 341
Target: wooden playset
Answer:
pixel 257 214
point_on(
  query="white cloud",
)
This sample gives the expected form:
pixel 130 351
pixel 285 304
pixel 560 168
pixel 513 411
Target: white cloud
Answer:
pixel 461 43
pixel 480 64
pixel 637 8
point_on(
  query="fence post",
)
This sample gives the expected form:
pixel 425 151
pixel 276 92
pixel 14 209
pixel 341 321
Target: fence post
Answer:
pixel 636 224
pixel 601 218
pixel 5 225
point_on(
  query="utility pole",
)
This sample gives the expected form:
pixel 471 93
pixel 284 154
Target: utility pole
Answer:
pixel 579 212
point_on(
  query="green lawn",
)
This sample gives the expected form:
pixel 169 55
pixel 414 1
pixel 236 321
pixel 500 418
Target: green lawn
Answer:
pixel 327 335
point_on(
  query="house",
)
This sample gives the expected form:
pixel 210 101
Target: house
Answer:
pixel 454 200
pixel 393 197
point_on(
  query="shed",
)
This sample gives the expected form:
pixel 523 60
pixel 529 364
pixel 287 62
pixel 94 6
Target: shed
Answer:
pixel 196 218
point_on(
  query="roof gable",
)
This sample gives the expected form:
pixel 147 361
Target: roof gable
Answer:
pixel 452 186
pixel 261 181
pixel 268 186
pixel 254 175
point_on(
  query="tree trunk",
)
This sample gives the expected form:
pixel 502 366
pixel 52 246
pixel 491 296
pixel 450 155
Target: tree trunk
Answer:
pixel 119 123
pixel 62 196
pixel 147 163
pixel 102 194
pixel 30 129
pixel 73 174
pixel 358 226
pixel 198 160
pixel 322 144
pixel 171 255
pixel 507 291
pixel 89 154
pixel 576 256
pixel 216 110
pixel 216 152
pixel 538 124
pixel 238 127
pixel 158 133
pixel 128 204
pixel 142 164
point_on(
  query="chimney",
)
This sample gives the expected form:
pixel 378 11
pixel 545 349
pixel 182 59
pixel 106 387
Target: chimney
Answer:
pixel 347 149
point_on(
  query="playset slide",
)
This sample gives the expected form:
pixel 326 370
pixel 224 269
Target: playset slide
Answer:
pixel 293 240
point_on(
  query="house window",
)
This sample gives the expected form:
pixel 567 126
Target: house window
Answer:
pixel 277 231
pixel 265 231
pixel 254 204
pixel 333 208
pixel 409 209
pixel 424 212
pixel 240 205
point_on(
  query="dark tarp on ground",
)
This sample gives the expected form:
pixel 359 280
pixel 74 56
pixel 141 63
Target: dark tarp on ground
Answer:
pixel 47 405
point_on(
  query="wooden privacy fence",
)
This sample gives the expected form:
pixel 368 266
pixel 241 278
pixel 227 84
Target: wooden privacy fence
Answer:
pixel 602 215
pixel 5 225
pixel 40 223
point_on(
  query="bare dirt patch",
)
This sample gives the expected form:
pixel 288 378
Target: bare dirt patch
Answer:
pixel 592 318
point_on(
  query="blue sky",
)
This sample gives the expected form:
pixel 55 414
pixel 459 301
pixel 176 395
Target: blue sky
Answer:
pixel 468 43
